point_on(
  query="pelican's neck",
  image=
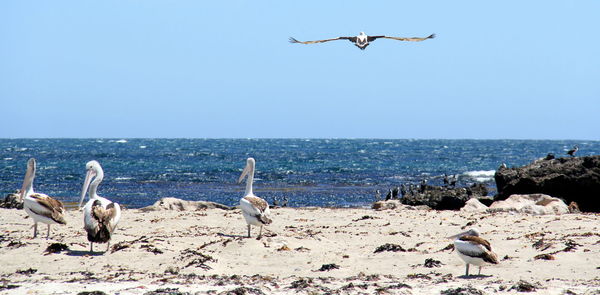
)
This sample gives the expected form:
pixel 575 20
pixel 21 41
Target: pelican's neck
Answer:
pixel 249 181
pixel 94 185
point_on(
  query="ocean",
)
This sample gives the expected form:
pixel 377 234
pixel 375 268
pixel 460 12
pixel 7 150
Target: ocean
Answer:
pixel 308 172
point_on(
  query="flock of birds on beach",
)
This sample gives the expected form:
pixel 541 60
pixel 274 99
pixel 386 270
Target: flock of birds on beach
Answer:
pixel 101 216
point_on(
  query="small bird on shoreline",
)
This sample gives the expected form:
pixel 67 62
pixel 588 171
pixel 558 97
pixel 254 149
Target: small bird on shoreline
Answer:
pixel 254 209
pixel 572 151
pixel 473 250
pixel 362 40
pixel 40 207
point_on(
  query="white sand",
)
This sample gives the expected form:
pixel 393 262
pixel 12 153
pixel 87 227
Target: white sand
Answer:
pixel 295 247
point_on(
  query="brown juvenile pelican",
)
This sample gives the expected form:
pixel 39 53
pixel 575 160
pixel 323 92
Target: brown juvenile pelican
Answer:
pixel 40 207
pixel 100 215
pixel 473 250
pixel 254 209
pixel 572 151
pixel 362 40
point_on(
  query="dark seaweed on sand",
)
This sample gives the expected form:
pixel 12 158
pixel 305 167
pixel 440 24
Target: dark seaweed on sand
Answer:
pixel 389 247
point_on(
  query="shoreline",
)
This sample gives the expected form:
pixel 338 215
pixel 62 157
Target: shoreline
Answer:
pixel 204 250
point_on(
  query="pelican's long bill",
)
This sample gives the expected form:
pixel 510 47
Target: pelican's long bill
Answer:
pixel 471 232
pixel 86 183
pixel 244 173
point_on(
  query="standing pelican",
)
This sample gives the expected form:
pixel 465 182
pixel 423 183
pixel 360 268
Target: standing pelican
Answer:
pixel 40 207
pixel 100 216
pixel 473 250
pixel 254 209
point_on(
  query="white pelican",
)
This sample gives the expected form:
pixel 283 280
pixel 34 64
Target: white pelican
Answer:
pixel 254 209
pixel 40 207
pixel 100 216
pixel 473 250
pixel 362 40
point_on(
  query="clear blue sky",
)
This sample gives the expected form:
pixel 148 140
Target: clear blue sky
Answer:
pixel 220 69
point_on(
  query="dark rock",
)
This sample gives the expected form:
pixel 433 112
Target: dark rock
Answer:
pixel 444 198
pixel 91 293
pixel 11 201
pixel 574 179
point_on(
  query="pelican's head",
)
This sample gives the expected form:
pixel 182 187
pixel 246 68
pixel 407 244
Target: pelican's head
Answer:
pixel 471 232
pixel 94 170
pixel 362 34
pixel 250 163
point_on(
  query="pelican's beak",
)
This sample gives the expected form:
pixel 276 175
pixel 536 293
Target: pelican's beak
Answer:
pixel 86 183
pixel 454 237
pixel 244 173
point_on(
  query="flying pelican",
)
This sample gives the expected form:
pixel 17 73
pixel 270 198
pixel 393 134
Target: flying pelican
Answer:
pixel 572 151
pixel 100 215
pixel 362 40
pixel 40 207
pixel 255 210
pixel 473 250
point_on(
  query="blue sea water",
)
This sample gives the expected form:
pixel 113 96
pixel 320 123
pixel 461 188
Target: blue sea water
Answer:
pixel 310 172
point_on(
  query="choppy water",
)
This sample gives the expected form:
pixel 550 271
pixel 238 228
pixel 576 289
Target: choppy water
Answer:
pixel 310 172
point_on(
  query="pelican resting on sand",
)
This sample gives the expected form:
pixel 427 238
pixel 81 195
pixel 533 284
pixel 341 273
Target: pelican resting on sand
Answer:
pixel 100 215
pixel 473 249
pixel 362 40
pixel 254 209
pixel 40 207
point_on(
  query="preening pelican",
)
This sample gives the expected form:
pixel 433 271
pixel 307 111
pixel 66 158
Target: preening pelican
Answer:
pixel 100 216
pixel 40 207
pixel 473 250
pixel 254 209
pixel 362 40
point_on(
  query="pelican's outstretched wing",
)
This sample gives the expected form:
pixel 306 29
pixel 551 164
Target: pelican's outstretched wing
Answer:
pixel 293 40
pixel 371 38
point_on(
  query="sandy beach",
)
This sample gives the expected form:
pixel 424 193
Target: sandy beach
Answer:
pixel 305 251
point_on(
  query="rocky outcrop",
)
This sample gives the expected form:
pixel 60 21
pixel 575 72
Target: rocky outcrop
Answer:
pixel 473 205
pixel 183 205
pixel 538 204
pixel 11 201
pixel 444 198
pixel 571 179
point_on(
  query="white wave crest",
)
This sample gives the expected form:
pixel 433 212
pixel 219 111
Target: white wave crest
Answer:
pixel 480 175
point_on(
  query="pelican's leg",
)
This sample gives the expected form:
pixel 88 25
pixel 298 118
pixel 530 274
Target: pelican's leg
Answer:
pixel 34 229
pixel 260 232
pixel 108 247
pixel 91 247
pixel 467 274
pixel 479 271
pixel 48 234
pixel 248 230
